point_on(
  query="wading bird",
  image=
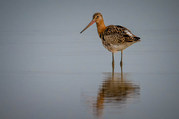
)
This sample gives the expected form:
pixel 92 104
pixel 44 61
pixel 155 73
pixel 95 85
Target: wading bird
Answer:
pixel 114 37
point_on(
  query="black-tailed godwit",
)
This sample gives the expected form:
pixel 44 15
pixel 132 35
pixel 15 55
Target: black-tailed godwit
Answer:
pixel 114 37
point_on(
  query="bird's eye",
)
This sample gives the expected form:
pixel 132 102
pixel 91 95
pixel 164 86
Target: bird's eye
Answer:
pixel 97 16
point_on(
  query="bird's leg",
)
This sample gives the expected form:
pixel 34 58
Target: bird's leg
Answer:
pixel 113 61
pixel 121 58
pixel 121 73
pixel 121 66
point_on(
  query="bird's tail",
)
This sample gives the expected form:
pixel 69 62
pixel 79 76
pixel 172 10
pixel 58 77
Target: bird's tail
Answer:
pixel 136 38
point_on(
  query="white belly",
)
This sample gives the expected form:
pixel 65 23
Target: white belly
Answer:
pixel 116 48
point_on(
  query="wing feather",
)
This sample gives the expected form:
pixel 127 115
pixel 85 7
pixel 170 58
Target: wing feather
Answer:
pixel 115 34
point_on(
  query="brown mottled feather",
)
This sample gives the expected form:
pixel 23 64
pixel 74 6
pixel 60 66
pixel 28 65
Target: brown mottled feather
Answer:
pixel 116 38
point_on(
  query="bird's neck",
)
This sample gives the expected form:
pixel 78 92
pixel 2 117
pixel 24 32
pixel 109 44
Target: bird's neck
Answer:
pixel 100 26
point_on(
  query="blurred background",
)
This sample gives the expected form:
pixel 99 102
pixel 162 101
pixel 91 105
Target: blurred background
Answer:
pixel 49 70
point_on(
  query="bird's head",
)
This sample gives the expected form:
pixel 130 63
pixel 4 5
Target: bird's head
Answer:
pixel 97 17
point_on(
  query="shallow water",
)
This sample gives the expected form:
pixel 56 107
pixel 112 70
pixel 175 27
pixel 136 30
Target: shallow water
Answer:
pixel 47 75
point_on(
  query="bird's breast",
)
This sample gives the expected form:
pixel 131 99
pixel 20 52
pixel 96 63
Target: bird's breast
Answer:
pixel 115 47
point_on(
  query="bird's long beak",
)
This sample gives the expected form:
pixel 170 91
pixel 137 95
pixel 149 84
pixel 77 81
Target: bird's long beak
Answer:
pixel 92 22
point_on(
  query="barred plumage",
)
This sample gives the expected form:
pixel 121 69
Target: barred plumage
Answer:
pixel 116 38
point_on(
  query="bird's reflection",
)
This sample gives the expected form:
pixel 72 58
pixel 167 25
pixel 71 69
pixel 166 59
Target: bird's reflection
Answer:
pixel 114 91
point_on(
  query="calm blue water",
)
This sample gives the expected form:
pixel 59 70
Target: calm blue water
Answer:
pixel 48 76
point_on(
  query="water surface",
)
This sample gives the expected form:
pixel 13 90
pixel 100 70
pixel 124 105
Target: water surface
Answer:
pixel 56 77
